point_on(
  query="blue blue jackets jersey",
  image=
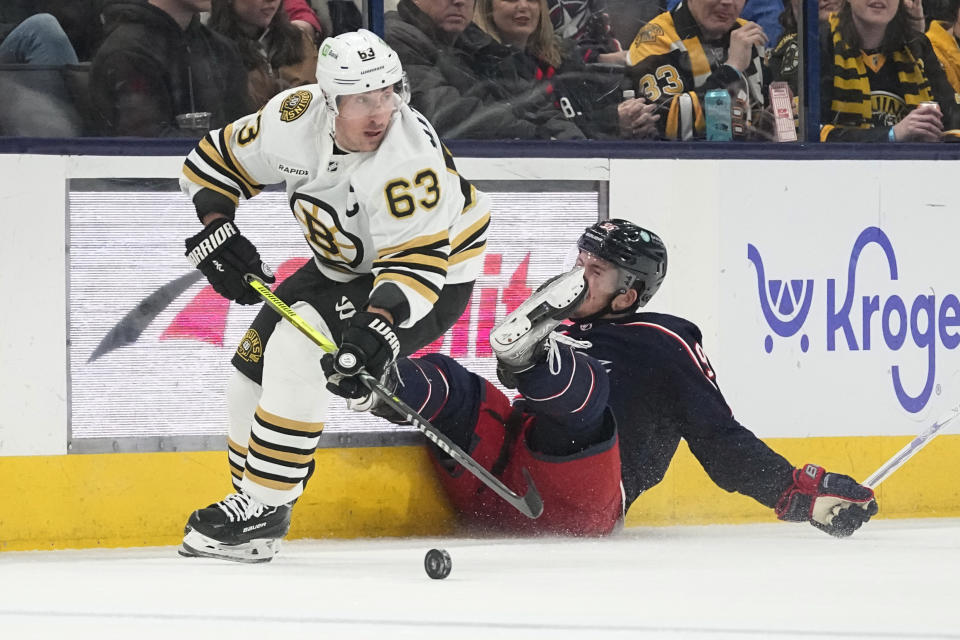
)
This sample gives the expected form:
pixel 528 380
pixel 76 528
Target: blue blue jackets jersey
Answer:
pixel 663 388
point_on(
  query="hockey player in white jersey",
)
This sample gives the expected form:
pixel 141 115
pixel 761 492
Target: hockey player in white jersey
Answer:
pixel 397 238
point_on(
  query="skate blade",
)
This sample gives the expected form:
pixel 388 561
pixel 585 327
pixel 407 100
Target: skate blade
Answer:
pixel 197 545
pixel 555 304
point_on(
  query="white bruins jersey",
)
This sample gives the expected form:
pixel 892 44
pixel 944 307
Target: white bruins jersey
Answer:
pixel 402 212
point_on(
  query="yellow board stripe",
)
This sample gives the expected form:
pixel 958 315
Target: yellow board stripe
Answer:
pixel 95 500
pixel 187 171
pixel 419 241
pixel 286 423
pixel 416 285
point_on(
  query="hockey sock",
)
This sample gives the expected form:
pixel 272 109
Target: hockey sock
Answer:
pixel 288 420
pixel 243 396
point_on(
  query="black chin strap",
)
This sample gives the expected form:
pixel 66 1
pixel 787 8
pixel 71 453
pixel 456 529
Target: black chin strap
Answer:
pixel 606 311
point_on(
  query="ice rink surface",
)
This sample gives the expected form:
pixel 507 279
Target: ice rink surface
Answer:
pixel 893 579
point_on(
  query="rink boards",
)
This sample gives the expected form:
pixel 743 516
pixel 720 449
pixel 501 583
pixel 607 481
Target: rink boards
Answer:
pixel 826 290
pixel 144 499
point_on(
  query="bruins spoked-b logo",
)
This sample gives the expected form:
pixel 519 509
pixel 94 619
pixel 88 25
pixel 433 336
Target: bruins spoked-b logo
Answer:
pixel 323 229
pixel 295 105
pixel 250 348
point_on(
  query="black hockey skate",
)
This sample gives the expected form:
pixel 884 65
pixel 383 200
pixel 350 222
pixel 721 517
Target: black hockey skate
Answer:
pixel 238 528
pixel 519 341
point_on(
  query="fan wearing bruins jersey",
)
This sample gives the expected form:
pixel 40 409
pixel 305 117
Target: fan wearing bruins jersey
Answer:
pixel 397 238
pixel 876 73
pixel 700 45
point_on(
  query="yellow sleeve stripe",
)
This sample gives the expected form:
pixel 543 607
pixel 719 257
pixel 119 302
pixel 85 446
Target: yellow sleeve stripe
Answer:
pixel 212 157
pixel 206 184
pixel 469 231
pixel 417 242
pixel 469 195
pixel 226 136
pixel 825 132
pixel 463 256
pixel 414 260
pixel 425 293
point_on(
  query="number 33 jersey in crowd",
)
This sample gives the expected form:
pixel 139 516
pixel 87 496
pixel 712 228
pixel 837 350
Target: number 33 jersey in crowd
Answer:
pixel 401 212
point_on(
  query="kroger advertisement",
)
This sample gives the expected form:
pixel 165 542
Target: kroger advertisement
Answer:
pixel 150 341
pixel 841 322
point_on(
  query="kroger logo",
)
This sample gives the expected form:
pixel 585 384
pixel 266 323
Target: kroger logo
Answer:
pixel 884 322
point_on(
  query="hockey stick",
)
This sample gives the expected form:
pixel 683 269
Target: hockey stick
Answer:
pixel 910 450
pixel 530 505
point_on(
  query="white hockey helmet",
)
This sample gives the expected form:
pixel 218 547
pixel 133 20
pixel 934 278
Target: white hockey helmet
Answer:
pixel 357 62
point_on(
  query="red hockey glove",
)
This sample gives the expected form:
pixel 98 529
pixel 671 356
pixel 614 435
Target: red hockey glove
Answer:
pixel 831 502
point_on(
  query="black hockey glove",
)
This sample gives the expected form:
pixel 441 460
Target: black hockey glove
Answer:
pixel 224 257
pixel 368 342
pixel 831 502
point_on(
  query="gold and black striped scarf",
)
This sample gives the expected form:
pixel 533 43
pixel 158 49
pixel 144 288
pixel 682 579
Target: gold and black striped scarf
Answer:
pixel 851 87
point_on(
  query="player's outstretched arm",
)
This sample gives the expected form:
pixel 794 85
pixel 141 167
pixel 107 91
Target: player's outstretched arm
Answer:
pixel 831 502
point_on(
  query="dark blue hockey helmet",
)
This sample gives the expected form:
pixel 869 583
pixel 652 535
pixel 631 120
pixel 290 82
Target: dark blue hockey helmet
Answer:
pixel 638 253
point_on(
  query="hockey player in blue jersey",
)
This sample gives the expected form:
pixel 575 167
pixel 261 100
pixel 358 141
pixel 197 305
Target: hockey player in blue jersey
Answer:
pixel 603 400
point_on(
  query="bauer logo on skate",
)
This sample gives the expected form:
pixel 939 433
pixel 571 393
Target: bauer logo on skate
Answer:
pixel 863 318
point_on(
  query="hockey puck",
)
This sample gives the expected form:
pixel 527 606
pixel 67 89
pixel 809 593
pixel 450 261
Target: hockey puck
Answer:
pixel 437 563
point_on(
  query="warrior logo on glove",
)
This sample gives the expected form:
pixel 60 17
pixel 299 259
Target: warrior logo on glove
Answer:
pixel 384 329
pixel 225 257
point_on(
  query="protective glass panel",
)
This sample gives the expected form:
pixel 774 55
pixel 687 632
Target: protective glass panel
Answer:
pixel 150 342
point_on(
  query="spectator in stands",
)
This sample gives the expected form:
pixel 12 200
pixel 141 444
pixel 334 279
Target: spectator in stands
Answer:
pixel 303 16
pixel 158 64
pixel 766 13
pixel 784 59
pixel 944 35
pixel 876 70
pixel 698 46
pixel 37 39
pixel 533 53
pixel 276 54
pixel 586 22
pixel 447 58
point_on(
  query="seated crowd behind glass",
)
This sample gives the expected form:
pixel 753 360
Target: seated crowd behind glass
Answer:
pixel 276 53
pixel 510 69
